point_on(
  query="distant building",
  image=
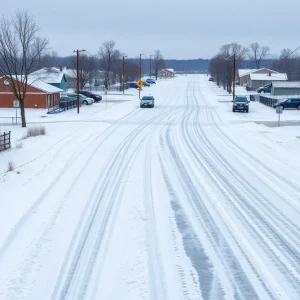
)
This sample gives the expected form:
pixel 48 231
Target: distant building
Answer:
pixel 245 77
pixel 53 76
pixel 166 73
pixel 39 94
pixel 256 80
pixel 285 88
pixel 242 75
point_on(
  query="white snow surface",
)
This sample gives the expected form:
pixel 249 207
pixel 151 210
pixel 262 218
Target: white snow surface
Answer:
pixel 186 200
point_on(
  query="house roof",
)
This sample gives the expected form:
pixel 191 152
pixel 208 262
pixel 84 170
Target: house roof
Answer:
pixel 169 70
pixel 38 84
pixel 49 75
pixel 42 85
pixel 243 72
pixel 266 77
pixel 286 84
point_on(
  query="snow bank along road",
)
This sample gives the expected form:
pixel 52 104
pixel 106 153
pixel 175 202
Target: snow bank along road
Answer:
pixel 164 203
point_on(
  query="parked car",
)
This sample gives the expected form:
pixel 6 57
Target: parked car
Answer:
pixel 289 103
pixel 97 98
pixel 211 79
pixel 145 83
pixel 240 103
pixel 65 98
pixel 83 99
pixel 132 85
pixel 266 88
pixel 150 80
pixel 147 101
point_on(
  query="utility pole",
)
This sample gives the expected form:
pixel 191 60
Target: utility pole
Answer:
pixel 233 77
pixel 150 66
pixel 140 75
pixel 77 77
pixel 123 74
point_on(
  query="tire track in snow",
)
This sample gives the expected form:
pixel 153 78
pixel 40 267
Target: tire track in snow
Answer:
pixel 68 164
pixel 65 285
pixel 267 230
pixel 155 265
pixel 241 289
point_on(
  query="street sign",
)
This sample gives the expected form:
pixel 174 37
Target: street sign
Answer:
pixel 16 103
pixel 139 83
pixel 279 109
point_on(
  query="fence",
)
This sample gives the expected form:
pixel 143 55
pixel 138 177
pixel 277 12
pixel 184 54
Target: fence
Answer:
pixel 267 101
pixel 10 120
pixel 254 97
pixel 62 106
pixel 4 141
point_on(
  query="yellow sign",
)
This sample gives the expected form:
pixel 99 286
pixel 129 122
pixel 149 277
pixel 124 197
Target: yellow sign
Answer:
pixel 139 83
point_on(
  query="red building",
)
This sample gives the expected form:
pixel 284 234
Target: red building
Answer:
pixel 39 94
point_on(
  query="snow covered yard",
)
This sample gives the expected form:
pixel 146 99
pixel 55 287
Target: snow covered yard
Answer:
pixel 183 201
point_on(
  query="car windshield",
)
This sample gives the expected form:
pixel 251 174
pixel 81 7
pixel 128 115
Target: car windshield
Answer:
pixel 147 98
pixel 240 99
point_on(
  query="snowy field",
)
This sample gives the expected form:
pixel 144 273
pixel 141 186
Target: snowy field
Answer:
pixel 187 200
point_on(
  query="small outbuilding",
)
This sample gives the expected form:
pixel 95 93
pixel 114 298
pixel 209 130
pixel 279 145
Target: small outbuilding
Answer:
pixel 285 88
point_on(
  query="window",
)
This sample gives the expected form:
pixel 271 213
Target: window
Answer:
pixel 295 100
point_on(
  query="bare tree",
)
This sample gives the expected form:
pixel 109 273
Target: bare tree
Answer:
pixel 18 53
pixel 221 66
pixel 158 62
pixel 88 67
pixel 41 46
pixel 48 60
pixel 108 60
pixel 289 63
pixel 257 53
pixel 131 70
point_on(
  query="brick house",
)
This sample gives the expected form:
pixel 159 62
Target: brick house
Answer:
pixel 242 76
pixel 166 73
pixel 39 94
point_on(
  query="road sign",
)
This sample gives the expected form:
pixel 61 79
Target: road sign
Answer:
pixel 139 83
pixel 279 109
pixel 16 103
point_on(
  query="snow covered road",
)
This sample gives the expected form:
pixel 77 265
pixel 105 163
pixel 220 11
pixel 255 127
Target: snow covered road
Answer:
pixel 171 203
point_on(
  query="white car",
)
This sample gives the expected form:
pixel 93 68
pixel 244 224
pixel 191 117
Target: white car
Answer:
pixel 83 99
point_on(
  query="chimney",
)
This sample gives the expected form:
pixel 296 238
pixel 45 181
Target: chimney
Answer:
pixel 270 73
pixel 60 68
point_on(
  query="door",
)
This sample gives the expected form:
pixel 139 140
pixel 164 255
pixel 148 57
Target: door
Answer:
pixel 288 103
pixel 295 103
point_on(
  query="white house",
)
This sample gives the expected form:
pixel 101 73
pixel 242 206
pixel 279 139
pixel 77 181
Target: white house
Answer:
pixel 256 80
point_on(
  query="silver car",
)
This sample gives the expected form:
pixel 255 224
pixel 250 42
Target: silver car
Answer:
pixel 83 99
pixel 147 101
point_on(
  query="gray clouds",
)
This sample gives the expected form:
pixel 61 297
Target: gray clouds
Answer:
pixel 182 29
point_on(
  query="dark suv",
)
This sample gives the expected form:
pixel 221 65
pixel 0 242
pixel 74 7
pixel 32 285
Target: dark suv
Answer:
pixel 97 98
pixel 289 103
pixel 240 104
pixel 266 88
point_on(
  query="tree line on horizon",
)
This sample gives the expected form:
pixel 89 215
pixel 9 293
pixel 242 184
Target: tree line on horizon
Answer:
pixel 255 56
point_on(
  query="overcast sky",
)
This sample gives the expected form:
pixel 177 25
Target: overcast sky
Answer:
pixel 181 29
